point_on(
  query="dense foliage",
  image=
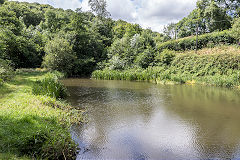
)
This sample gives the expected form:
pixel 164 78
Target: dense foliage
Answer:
pixel 209 16
pixel 77 43
pixel 221 69
pixel 236 30
pixel 6 71
pixel 206 40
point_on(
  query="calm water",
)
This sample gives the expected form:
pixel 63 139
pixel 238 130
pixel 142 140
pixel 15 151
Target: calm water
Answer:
pixel 137 120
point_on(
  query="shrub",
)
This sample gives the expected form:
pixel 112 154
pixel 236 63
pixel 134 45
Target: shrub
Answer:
pixel 202 65
pixel 189 43
pixel 59 56
pixel 50 86
pixel 165 57
pixel 116 63
pixel 235 32
pixel 144 59
pixel 6 71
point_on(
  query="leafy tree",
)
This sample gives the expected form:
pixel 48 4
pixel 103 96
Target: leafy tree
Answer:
pixel 171 30
pixel 55 20
pixel 23 11
pixel 116 63
pixel 122 28
pixel 9 20
pixel 87 44
pixel 59 56
pixel 231 7
pixel 104 30
pixel 216 18
pixel 99 7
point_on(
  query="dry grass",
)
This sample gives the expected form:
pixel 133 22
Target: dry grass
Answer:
pixel 223 49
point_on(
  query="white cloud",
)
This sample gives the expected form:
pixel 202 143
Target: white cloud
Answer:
pixel 152 14
pixel 65 4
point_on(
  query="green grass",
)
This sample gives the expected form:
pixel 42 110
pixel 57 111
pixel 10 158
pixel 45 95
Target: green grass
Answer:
pixel 34 126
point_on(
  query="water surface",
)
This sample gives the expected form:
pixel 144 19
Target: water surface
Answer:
pixel 138 120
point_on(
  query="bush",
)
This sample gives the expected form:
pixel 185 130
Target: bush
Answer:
pixel 189 43
pixel 145 58
pixel 117 63
pixel 235 32
pixel 50 86
pixel 59 56
pixel 202 65
pixel 165 57
pixel 6 71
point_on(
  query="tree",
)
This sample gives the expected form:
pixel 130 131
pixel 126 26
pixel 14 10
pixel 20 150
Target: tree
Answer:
pixel 99 7
pixel 23 11
pixel 9 20
pixel 171 30
pixel 165 57
pixel 236 30
pixel 216 18
pixel 21 50
pixel 231 7
pixel 59 56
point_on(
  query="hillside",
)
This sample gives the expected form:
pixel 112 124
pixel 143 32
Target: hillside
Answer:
pixel 78 43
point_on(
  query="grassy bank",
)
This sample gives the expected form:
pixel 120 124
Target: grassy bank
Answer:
pixel 218 66
pixel 34 126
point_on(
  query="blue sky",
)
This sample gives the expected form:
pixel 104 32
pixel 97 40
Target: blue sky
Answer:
pixel 152 14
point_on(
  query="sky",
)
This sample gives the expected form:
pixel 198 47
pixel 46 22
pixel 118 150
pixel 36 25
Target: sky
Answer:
pixel 153 14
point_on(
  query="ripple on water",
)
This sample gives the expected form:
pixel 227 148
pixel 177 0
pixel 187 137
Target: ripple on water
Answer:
pixel 134 120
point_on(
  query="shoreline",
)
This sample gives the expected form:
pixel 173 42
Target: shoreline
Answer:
pixel 35 126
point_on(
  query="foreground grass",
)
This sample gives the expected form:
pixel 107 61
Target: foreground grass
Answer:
pixel 219 66
pixel 34 126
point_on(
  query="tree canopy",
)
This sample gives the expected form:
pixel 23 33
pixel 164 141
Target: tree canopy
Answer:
pixel 76 42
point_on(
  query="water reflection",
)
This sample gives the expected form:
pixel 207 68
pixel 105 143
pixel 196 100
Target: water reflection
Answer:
pixel 134 120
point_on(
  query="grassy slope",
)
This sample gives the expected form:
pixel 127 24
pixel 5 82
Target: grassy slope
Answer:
pixel 217 66
pixel 32 125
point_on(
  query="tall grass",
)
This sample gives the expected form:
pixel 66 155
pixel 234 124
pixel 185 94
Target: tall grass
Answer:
pixel 50 86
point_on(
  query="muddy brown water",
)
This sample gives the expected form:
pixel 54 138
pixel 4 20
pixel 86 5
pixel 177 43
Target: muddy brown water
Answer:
pixel 140 121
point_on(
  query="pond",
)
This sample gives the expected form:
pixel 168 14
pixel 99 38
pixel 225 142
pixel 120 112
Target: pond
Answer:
pixel 139 120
